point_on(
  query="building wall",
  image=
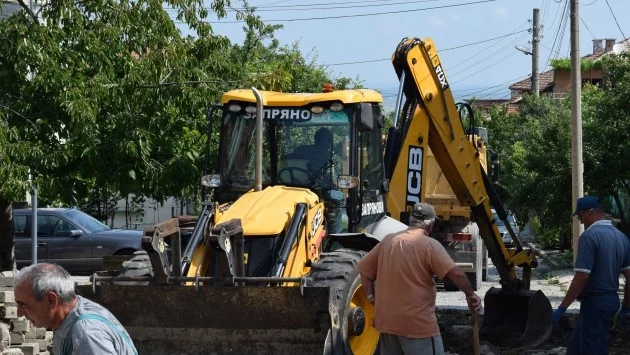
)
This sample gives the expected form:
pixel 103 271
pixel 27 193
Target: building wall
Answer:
pixel 152 212
pixel 562 79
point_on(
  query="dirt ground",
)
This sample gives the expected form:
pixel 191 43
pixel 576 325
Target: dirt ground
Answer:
pixel 456 329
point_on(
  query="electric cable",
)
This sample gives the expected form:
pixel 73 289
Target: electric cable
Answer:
pixel 363 15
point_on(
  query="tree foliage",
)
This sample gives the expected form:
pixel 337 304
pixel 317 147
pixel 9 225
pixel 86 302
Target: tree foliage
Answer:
pixel 535 149
pixel 102 100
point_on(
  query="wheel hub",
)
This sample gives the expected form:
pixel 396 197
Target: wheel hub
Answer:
pixel 356 321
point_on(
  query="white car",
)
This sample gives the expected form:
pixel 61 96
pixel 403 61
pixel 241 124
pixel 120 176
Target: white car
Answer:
pixel 505 235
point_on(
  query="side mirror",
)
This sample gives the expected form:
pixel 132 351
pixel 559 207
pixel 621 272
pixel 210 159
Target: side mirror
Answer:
pixel 366 116
pixel 75 233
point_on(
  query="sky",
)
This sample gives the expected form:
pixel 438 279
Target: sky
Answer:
pixel 356 38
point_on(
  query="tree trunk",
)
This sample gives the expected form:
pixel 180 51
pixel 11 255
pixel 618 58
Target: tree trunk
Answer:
pixel 619 206
pixel 7 241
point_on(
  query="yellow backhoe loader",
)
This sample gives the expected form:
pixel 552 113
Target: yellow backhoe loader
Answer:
pixel 297 198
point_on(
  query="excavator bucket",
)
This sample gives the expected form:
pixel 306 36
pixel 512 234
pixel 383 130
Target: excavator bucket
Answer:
pixel 524 315
pixel 219 320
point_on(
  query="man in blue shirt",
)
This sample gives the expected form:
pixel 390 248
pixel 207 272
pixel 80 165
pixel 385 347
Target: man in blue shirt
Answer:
pixel 603 253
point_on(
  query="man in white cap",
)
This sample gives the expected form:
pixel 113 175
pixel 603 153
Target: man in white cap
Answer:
pixel 603 253
pixel 397 276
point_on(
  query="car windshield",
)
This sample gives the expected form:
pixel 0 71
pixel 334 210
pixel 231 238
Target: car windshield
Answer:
pixel 86 221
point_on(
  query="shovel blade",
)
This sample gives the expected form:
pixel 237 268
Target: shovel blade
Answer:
pixel 178 320
pixel 525 313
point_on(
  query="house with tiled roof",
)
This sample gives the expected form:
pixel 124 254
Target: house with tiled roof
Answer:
pixel 557 83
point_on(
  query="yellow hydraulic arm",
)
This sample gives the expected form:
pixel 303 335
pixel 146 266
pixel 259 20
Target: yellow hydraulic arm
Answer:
pixel 430 119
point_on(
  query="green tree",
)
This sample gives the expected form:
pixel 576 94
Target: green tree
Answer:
pixel 110 99
pixel 534 145
pixel 606 126
pixel 534 150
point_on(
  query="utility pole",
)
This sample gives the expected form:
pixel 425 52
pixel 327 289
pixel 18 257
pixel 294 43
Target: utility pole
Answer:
pixel 577 167
pixel 535 42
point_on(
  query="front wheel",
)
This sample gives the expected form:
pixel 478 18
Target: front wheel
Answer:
pixel 354 325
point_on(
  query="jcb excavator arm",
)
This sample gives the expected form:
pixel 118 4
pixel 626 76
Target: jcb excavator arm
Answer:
pixel 430 119
pixel 456 154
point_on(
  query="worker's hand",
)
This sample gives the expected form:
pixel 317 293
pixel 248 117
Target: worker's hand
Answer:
pixel 557 314
pixel 474 302
pixel 371 298
pixel 623 320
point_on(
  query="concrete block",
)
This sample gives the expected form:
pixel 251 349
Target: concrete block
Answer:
pixel 20 326
pixel 30 334
pixel 17 338
pixel 43 343
pixel 7 312
pixel 7 297
pixel 7 282
pixel 40 333
pixel 46 352
pixel 12 351
pixel 29 348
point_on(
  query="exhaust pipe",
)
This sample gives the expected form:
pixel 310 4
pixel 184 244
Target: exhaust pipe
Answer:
pixel 259 134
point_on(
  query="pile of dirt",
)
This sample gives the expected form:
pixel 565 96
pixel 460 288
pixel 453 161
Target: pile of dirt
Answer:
pixel 456 329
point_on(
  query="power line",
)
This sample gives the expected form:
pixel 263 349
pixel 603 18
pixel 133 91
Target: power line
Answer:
pixel 496 86
pixel 442 50
pixel 615 17
pixel 364 15
pixel 561 27
pixel 488 66
pixel 308 7
pixel 585 25
pixel 489 56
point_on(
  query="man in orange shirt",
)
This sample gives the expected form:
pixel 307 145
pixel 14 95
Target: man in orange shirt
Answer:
pixel 401 267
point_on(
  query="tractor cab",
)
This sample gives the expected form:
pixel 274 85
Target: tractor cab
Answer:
pixel 329 143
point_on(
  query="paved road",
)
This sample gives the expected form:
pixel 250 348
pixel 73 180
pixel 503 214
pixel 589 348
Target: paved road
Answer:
pixel 553 286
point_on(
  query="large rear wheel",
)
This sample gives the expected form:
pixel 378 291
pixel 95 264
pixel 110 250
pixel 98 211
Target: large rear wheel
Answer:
pixel 355 325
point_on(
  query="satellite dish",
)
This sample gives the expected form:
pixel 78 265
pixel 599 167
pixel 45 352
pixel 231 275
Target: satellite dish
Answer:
pixel 619 48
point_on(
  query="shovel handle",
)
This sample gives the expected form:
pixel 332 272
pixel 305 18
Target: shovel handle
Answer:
pixel 475 333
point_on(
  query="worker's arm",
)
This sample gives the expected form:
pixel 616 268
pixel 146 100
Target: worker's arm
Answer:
pixel 459 278
pixel 584 262
pixel 368 287
pixel 575 289
pixel 367 268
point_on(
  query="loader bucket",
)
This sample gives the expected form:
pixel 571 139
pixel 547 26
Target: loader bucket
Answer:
pixel 219 320
pixel 524 315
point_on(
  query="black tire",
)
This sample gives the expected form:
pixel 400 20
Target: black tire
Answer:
pixel 138 265
pixel 338 270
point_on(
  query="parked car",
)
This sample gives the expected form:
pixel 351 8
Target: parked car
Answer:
pixel 70 238
pixel 505 235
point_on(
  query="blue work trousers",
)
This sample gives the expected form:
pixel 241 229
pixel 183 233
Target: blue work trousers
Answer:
pixel 590 335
